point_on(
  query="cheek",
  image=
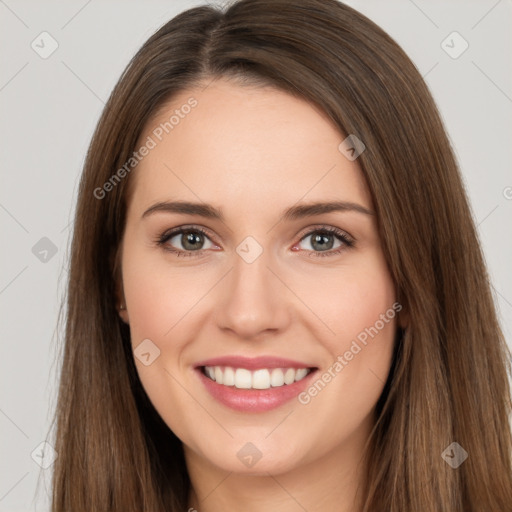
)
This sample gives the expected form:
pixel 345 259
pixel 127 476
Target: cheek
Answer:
pixel 158 295
pixel 362 314
pixel 351 299
pixel 158 301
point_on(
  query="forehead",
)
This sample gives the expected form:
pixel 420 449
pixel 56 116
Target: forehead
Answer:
pixel 250 147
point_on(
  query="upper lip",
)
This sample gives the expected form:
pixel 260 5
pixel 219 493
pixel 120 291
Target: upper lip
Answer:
pixel 253 363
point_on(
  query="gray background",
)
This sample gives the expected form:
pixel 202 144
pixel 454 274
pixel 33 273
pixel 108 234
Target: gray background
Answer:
pixel 50 108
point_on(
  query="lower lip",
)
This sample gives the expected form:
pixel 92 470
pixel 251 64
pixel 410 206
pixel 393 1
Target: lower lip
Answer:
pixel 254 400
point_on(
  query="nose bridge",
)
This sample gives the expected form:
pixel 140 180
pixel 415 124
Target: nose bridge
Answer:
pixel 252 281
pixel 250 266
pixel 253 298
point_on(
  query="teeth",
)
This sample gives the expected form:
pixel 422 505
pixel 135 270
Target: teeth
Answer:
pixel 289 376
pixel 242 378
pixel 228 379
pixel 261 379
pixel 264 378
pixel 218 375
pixel 277 378
pixel 301 373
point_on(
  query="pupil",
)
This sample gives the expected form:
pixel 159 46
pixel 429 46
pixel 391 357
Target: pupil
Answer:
pixel 320 238
pixel 190 238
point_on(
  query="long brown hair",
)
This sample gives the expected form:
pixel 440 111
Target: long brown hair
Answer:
pixel 449 378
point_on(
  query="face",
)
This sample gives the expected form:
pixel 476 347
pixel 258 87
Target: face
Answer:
pixel 263 330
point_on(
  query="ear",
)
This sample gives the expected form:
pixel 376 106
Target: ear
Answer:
pixel 403 320
pixel 121 306
pixel 122 309
pixel 403 316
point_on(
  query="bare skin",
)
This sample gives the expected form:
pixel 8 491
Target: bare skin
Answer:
pixel 254 152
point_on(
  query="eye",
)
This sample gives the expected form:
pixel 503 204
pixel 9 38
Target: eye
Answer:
pixel 323 240
pixel 191 240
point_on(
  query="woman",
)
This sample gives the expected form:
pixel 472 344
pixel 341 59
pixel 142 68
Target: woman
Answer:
pixel 277 297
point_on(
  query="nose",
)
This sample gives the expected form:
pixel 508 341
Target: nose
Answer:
pixel 253 299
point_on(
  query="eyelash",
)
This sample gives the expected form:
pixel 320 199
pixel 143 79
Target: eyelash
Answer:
pixel 348 242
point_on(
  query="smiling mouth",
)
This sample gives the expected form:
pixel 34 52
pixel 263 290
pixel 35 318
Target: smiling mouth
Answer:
pixel 264 378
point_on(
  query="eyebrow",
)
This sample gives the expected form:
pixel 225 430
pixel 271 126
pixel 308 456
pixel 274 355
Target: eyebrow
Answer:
pixel 293 213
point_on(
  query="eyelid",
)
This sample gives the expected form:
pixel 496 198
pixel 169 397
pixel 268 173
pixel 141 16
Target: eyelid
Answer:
pixel 188 227
pixel 323 227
